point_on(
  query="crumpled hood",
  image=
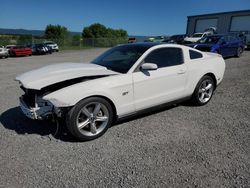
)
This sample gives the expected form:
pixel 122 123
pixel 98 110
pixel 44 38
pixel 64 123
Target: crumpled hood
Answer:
pixel 51 74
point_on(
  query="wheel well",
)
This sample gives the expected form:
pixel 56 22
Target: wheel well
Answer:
pixel 110 102
pixel 213 77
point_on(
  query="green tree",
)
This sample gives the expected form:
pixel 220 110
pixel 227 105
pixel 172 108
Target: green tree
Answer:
pixel 101 36
pixel 95 31
pixel 76 39
pixel 57 33
pixel 24 39
pixel 8 39
pixel 98 30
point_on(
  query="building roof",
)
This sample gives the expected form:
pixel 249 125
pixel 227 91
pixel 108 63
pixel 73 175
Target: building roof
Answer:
pixel 219 13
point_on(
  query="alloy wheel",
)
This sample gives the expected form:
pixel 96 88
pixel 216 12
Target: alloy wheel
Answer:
pixel 92 118
pixel 205 91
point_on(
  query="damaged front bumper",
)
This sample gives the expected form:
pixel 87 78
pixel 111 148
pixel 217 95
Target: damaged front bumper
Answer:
pixel 37 112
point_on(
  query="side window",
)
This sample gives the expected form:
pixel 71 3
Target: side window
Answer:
pixel 231 39
pixel 194 55
pixel 222 40
pixel 165 57
pixel 227 38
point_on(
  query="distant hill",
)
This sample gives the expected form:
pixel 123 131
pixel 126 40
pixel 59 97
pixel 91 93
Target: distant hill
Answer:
pixel 38 33
pixel 4 31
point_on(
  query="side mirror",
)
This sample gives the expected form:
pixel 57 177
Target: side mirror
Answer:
pixel 149 66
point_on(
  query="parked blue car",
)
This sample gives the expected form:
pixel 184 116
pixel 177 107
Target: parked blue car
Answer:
pixel 226 45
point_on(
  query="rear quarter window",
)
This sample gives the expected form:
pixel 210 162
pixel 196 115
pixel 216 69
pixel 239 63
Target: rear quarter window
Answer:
pixel 195 55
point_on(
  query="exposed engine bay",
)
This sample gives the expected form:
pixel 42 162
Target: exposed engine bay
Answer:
pixel 35 107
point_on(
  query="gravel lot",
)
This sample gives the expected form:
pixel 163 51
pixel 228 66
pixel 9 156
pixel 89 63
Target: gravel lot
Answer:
pixel 178 146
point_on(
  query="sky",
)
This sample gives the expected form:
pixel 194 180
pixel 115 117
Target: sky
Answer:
pixel 138 17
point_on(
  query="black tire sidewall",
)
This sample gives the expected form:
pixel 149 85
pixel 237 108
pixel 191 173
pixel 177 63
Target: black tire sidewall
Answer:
pixel 239 52
pixel 72 116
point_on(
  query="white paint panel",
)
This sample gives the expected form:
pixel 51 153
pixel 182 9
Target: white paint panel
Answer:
pixel 240 23
pixel 203 24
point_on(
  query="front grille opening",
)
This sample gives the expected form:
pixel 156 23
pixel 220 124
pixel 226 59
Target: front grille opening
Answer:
pixel 29 98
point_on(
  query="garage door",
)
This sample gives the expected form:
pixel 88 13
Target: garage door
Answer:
pixel 240 23
pixel 203 24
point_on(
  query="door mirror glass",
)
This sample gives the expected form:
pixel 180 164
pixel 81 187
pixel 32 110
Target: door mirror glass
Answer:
pixel 149 66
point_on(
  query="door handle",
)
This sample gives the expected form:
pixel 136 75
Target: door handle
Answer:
pixel 181 71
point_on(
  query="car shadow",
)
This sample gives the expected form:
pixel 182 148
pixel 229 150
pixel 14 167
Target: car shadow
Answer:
pixel 144 113
pixel 13 119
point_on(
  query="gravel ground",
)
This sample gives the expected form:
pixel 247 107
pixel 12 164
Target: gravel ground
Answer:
pixel 178 146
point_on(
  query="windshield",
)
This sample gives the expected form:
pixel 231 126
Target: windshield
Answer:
pixel 174 37
pixel 121 58
pixel 209 40
pixel 40 45
pixel 159 37
pixel 197 35
pixel 49 43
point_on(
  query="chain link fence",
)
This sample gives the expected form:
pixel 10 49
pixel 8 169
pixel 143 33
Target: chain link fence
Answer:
pixel 74 42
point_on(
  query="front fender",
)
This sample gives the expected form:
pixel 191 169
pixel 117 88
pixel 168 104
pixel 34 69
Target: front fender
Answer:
pixel 215 48
pixel 112 87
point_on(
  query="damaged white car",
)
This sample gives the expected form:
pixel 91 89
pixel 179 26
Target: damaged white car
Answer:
pixel 123 81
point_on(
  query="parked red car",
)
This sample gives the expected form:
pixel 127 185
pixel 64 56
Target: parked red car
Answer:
pixel 20 51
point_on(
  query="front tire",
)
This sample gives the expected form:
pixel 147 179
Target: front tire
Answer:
pixel 90 118
pixel 239 52
pixel 203 91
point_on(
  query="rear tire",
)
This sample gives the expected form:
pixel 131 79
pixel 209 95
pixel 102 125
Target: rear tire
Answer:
pixel 89 118
pixel 239 52
pixel 203 91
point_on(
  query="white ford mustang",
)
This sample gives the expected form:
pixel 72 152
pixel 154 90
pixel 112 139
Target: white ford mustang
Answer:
pixel 124 80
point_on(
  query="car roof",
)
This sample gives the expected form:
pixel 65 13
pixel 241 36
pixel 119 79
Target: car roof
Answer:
pixel 142 44
pixel 219 35
pixel 178 35
pixel 49 42
pixel 155 44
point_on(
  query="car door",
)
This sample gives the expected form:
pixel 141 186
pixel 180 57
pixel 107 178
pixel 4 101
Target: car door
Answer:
pixel 228 47
pixel 165 84
pixel 224 46
pixel 232 46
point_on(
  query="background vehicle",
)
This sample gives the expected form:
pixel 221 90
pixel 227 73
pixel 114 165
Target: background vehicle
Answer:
pixel 40 49
pixel 156 39
pixel 8 47
pixel 131 39
pixel 226 45
pixel 124 80
pixel 196 36
pixel 49 48
pixel 54 47
pixel 20 51
pixel 244 36
pixel 3 52
pixel 178 39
